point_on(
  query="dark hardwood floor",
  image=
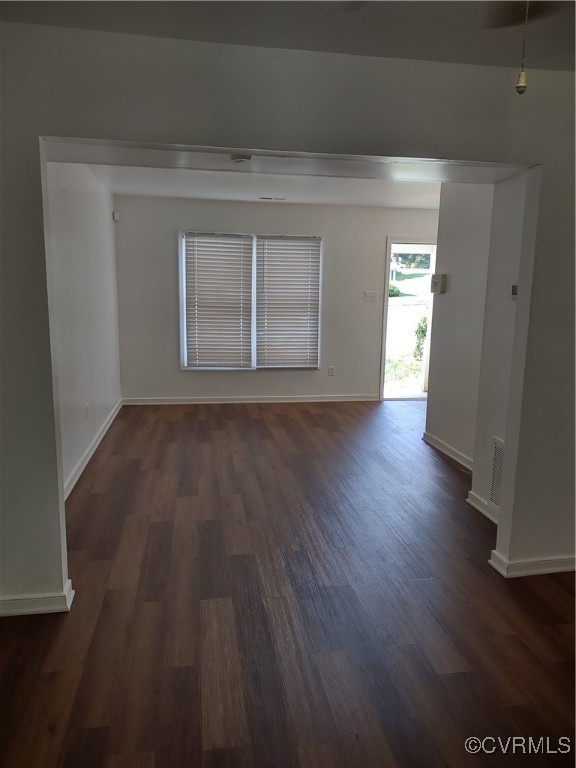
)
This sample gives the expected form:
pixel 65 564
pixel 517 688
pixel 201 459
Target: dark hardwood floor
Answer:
pixel 280 586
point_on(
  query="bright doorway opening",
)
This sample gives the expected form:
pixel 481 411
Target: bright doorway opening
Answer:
pixel 408 319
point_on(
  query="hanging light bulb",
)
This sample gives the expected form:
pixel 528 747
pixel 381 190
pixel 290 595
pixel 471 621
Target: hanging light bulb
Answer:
pixel 521 84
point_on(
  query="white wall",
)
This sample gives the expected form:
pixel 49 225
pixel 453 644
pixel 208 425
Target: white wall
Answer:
pixel 354 251
pixel 519 549
pixel 83 310
pixel 498 335
pixel 458 318
pixel 90 84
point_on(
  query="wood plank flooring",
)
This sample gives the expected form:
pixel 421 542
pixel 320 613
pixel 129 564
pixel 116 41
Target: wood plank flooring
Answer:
pixel 284 586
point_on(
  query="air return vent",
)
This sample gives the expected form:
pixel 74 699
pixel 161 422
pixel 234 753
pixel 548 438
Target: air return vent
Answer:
pixel 497 464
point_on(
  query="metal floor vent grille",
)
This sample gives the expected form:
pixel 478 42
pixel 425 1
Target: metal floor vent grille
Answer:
pixel 497 464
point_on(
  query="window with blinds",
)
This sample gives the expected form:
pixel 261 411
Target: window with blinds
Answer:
pixel 217 298
pixel 249 301
pixel 287 301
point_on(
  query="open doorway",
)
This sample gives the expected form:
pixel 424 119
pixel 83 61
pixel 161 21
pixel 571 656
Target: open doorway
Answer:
pixel 345 320
pixel 407 318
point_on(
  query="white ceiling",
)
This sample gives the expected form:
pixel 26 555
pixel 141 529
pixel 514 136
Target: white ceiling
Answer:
pixel 456 31
pixel 229 185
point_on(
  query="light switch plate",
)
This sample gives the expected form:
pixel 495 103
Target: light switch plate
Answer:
pixel 371 296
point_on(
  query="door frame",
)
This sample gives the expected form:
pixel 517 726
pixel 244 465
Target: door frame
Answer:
pixel 430 240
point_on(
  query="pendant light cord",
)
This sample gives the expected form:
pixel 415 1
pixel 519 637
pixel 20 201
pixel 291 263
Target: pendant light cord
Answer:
pixel 525 36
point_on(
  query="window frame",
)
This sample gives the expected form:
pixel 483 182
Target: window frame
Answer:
pixel 182 308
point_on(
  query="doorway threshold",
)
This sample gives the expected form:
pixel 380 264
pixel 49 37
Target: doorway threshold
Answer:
pixel 405 397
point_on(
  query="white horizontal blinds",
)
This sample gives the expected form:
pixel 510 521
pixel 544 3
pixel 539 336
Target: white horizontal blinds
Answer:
pixel 218 273
pixel 287 301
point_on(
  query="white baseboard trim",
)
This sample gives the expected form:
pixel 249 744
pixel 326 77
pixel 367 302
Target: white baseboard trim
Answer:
pixel 512 569
pixel 53 602
pixel 482 506
pixel 247 399
pixel 448 450
pixel 73 477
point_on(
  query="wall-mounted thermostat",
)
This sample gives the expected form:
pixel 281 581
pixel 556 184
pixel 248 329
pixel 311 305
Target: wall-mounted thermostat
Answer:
pixel 514 290
pixel 438 283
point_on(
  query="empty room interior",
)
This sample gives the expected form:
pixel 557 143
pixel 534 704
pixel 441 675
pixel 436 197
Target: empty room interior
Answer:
pixel 221 542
